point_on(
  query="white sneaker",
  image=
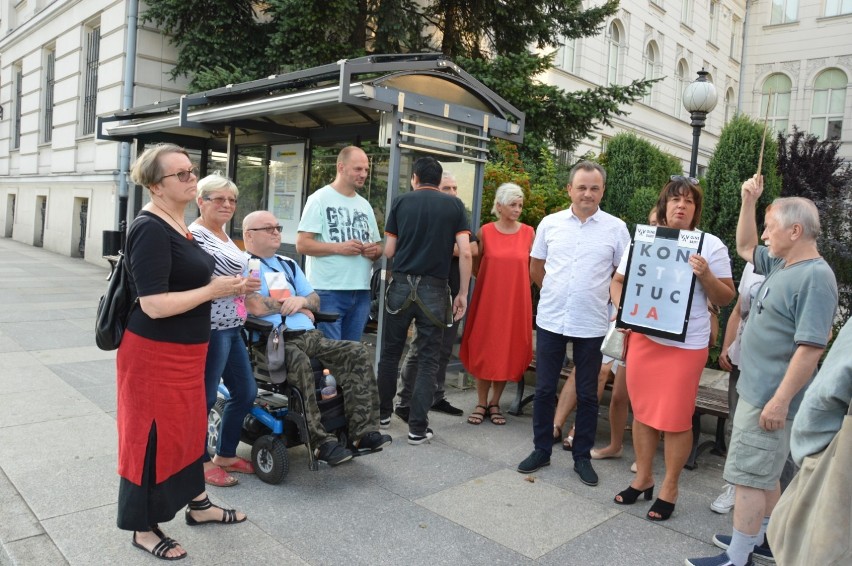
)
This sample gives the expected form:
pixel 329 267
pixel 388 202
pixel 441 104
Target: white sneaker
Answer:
pixel 725 502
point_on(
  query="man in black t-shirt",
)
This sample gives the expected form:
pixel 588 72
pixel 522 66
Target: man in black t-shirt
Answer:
pixel 422 227
pixel 408 374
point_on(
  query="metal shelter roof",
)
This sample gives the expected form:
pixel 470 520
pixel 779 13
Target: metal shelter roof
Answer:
pixel 335 101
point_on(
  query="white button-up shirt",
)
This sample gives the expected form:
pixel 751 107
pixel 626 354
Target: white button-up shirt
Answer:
pixel 579 259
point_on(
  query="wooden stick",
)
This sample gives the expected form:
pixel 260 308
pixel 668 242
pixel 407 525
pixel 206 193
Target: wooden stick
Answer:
pixel 765 127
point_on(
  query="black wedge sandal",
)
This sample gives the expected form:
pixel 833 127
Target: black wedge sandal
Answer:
pixel 631 494
pixel 662 508
pixel 229 515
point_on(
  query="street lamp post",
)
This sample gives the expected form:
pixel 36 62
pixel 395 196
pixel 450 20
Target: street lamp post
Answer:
pixel 699 98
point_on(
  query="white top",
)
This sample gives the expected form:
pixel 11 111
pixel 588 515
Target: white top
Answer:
pixel 749 284
pixel 698 328
pixel 227 312
pixel 333 217
pixel 579 258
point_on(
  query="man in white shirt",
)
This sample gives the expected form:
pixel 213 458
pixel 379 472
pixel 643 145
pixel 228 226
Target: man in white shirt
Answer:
pixel 572 261
pixel 339 235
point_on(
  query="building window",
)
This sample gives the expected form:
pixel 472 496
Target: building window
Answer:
pixel 784 11
pixel 651 63
pixel 681 80
pixel 827 107
pixel 49 80
pixel 736 34
pixel 779 108
pixel 714 21
pixel 19 96
pixel 686 12
pixel 730 105
pixel 566 54
pixel 614 59
pixel 90 92
pixel 838 7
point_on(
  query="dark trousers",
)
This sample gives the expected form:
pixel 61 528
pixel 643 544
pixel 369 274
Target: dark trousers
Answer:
pixel 408 374
pixel 428 342
pixel 550 353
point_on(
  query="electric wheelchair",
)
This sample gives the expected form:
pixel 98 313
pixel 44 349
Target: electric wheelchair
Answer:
pixel 277 419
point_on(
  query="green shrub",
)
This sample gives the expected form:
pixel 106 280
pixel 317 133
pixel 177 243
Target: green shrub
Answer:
pixel 636 172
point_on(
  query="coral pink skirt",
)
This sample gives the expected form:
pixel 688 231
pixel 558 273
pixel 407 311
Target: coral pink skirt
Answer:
pixel 662 382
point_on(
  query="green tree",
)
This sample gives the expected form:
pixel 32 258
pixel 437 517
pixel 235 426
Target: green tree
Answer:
pixel 813 169
pixel 221 42
pixel 734 160
pixel 636 172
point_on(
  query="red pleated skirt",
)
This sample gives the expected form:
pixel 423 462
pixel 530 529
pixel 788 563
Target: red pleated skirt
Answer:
pixel 662 382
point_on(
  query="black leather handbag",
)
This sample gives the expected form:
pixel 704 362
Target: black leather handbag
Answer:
pixel 114 308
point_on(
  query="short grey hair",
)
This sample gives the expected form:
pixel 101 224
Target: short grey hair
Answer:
pixel 448 175
pixel 797 210
pixel 506 194
pixel 146 170
pixel 216 182
pixel 587 166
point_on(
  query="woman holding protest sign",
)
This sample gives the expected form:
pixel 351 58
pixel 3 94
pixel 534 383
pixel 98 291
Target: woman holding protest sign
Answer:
pixel 663 374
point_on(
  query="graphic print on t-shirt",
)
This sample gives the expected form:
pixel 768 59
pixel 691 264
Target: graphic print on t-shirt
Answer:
pixel 346 224
pixel 279 287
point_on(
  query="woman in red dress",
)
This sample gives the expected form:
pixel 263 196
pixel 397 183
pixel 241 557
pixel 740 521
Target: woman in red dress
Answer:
pixel 497 342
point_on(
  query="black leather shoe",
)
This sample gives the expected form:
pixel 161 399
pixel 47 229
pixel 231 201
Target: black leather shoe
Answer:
pixel 402 412
pixel 586 472
pixel 443 406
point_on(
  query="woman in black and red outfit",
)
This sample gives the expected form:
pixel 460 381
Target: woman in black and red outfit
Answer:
pixel 160 365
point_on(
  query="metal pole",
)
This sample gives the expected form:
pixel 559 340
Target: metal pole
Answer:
pixel 127 102
pixel 693 161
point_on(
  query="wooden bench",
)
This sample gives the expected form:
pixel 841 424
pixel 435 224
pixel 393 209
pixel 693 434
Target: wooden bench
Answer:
pixel 713 402
pixel 518 404
pixel 709 401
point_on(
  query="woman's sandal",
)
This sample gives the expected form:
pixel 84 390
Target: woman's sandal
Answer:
pixel 496 417
pixel 229 516
pixel 631 494
pixel 568 442
pixel 240 466
pixel 161 548
pixel 662 508
pixel 477 417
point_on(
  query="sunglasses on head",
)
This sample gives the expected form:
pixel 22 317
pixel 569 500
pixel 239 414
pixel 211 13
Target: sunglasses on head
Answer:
pixel 691 180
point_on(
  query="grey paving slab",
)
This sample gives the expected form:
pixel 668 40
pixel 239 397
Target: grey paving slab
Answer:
pixel 244 543
pixel 88 352
pixel 27 378
pixel 48 405
pixel 44 460
pixel 39 335
pixel 523 513
pixel 37 550
pixel 18 520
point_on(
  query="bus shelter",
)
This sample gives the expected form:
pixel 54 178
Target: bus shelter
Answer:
pixel 278 137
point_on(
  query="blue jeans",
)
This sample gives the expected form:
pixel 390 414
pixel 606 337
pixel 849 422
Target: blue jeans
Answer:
pixel 435 297
pixel 353 308
pixel 227 358
pixel 550 353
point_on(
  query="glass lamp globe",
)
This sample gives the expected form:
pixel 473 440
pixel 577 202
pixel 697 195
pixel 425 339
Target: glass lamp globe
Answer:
pixel 700 95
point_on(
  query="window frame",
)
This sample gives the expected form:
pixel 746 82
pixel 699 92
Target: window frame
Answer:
pixel 828 116
pixel 773 116
pixel 49 92
pixel 91 62
pixel 614 46
pixel 782 9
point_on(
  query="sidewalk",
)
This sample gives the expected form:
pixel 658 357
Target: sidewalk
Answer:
pixel 457 500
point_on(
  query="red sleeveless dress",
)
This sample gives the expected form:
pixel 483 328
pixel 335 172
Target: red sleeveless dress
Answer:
pixel 497 340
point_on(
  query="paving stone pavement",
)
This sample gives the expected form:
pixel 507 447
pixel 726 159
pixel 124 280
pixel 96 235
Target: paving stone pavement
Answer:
pixel 456 500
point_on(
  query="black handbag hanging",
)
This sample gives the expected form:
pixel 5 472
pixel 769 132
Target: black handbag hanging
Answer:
pixel 114 308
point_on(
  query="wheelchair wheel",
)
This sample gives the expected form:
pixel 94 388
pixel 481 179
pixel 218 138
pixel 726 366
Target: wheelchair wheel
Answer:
pixel 214 423
pixel 269 457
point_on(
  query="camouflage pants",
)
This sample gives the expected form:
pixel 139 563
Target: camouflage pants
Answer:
pixel 348 363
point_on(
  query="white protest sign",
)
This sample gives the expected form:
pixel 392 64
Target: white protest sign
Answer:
pixel 658 285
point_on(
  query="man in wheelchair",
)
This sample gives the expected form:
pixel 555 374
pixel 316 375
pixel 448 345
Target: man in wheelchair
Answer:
pixel 286 294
